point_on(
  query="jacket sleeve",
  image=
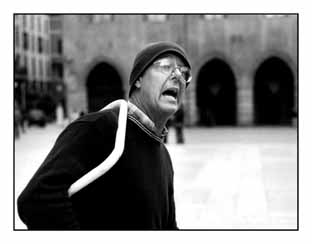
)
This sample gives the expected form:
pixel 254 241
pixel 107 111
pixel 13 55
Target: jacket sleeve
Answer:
pixel 172 225
pixel 44 203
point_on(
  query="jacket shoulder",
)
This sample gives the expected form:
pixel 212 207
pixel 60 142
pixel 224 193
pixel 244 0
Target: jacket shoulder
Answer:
pixel 104 121
pixel 109 115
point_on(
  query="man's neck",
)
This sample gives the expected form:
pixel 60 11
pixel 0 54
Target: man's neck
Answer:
pixel 159 122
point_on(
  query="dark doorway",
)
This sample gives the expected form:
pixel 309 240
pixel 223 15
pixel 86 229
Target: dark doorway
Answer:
pixel 273 93
pixel 216 94
pixel 104 86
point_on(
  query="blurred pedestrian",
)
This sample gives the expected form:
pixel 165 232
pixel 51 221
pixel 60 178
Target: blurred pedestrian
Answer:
pixel 24 119
pixel 137 192
pixel 17 120
pixel 168 125
pixel 60 114
pixel 178 123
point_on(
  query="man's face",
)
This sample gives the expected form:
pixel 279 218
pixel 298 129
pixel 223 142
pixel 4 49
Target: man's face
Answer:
pixel 162 91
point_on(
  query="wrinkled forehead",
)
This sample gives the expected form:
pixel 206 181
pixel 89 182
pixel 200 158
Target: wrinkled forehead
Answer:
pixel 172 57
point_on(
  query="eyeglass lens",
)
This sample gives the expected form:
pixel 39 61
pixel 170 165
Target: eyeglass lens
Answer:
pixel 170 68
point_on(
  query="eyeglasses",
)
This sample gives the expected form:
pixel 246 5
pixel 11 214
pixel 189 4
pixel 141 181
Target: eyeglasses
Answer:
pixel 170 68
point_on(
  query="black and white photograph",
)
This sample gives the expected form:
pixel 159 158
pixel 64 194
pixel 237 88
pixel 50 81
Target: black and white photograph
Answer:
pixel 162 121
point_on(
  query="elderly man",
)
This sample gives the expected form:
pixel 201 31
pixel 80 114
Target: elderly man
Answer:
pixel 137 192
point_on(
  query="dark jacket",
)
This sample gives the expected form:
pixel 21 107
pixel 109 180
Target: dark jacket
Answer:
pixel 136 193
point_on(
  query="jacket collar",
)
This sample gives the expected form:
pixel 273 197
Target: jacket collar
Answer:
pixel 135 113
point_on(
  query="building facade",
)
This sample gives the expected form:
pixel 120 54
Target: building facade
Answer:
pixel 57 61
pixel 244 66
pixel 37 79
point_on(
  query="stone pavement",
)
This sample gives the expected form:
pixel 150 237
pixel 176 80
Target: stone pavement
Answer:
pixel 238 178
pixel 225 178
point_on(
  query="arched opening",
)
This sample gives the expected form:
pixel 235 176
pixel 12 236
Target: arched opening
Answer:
pixel 273 93
pixel 216 94
pixel 104 85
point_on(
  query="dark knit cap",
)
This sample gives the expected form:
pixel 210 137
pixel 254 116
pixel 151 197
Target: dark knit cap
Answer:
pixel 150 53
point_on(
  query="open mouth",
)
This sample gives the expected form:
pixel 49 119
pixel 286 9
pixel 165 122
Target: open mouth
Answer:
pixel 172 92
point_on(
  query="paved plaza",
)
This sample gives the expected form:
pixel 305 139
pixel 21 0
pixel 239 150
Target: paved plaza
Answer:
pixel 225 178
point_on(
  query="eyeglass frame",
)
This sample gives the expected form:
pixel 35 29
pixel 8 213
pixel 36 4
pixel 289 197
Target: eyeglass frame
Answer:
pixel 179 67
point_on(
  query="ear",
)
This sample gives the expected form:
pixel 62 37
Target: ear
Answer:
pixel 138 83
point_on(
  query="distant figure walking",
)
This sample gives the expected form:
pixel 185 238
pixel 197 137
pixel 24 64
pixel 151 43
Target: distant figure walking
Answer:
pixel 60 114
pixel 177 121
pixel 18 120
pixel 178 124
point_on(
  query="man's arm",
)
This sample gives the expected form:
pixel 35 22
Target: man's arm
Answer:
pixel 44 203
pixel 172 225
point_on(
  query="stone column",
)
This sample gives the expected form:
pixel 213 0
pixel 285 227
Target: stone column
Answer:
pixel 245 100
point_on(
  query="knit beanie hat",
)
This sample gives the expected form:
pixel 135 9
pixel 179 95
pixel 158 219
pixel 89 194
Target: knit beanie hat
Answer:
pixel 150 53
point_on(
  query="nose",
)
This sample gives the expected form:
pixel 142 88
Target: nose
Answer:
pixel 176 73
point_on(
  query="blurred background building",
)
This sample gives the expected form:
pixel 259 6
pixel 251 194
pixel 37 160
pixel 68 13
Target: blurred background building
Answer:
pixel 38 63
pixel 244 66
